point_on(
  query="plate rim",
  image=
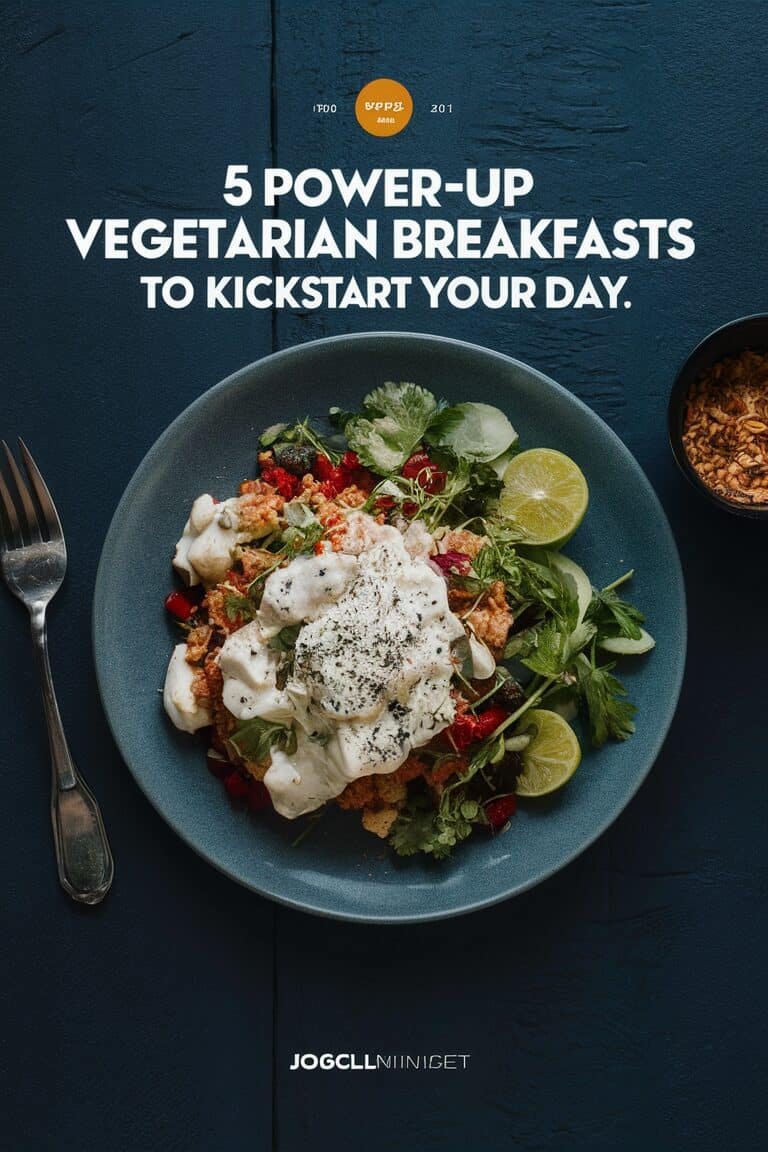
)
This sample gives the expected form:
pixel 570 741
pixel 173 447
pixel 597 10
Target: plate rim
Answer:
pixel 319 909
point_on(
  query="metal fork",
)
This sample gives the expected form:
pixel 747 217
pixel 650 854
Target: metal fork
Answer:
pixel 33 560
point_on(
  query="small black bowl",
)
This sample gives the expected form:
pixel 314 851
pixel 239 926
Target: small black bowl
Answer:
pixel 747 333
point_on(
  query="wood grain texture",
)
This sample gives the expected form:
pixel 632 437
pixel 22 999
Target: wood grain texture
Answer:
pixel 620 1005
pixel 142 1023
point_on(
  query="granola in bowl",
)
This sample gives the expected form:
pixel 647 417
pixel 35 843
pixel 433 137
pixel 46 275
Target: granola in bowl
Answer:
pixel 725 428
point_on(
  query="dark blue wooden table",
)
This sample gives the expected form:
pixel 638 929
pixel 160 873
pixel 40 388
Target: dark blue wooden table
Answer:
pixel 620 1005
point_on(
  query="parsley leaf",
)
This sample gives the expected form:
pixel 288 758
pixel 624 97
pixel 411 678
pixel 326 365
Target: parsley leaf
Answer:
pixel 613 616
pixel 548 652
pixel 394 420
pixel 610 715
pixel 254 739
pixel 550 649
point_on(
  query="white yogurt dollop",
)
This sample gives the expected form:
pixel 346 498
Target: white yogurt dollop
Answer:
pixel 179 700
pixel 372 670
pixel 249 667
pixel 207 545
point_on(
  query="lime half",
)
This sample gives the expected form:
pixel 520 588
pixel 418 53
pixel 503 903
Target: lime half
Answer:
pixel 552 756
pixel 544 494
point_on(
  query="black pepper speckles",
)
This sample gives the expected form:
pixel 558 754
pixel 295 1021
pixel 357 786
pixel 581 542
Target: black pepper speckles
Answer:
pixel 372 662
pixel 376 642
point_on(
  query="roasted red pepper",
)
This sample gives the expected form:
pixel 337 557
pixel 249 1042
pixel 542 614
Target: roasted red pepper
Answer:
pixel 333 476
pixel 457 562
pixel 285 482
pixel 180 605
pixel 498 811
pixel 462 731
pixel 489 720
pixel 336 477
pixel 467 728
pixel 350 461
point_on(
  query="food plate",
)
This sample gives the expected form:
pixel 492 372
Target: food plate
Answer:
pixel 338 870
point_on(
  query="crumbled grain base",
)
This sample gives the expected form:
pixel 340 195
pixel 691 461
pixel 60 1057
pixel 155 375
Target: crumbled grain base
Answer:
pixel 725 428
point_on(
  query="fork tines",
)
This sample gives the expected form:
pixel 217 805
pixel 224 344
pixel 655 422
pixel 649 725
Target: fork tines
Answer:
pixel 27 520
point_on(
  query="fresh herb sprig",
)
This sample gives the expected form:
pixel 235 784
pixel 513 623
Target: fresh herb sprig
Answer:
pixel 295 541
pixel 613 616
pixel 420 827
pixel 254 739
pixel 610 713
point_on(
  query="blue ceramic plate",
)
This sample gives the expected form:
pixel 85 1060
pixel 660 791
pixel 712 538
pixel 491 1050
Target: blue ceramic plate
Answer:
pixel 339 870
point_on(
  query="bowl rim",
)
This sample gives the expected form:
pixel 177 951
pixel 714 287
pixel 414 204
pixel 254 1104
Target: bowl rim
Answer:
pixel 677 396
pixel 320 908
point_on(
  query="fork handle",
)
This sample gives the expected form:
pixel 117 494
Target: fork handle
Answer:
pixel 83 854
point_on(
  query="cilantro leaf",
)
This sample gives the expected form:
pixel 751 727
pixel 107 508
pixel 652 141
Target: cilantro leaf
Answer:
pixel 394 420
pixel 239 607
pixel 300 539
pixel 610 714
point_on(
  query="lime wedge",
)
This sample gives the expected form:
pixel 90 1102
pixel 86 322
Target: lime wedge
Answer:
pixel 552 756
pixel 544 494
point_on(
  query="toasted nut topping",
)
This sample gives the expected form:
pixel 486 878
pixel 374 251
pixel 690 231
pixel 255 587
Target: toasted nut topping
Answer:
pixel 725 426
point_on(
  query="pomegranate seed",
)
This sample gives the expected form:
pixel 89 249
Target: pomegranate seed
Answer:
pixel 258 796
pixel 499 811
pixel 236 785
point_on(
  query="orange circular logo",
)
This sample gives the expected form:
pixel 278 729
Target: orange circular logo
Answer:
pixel 383 107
